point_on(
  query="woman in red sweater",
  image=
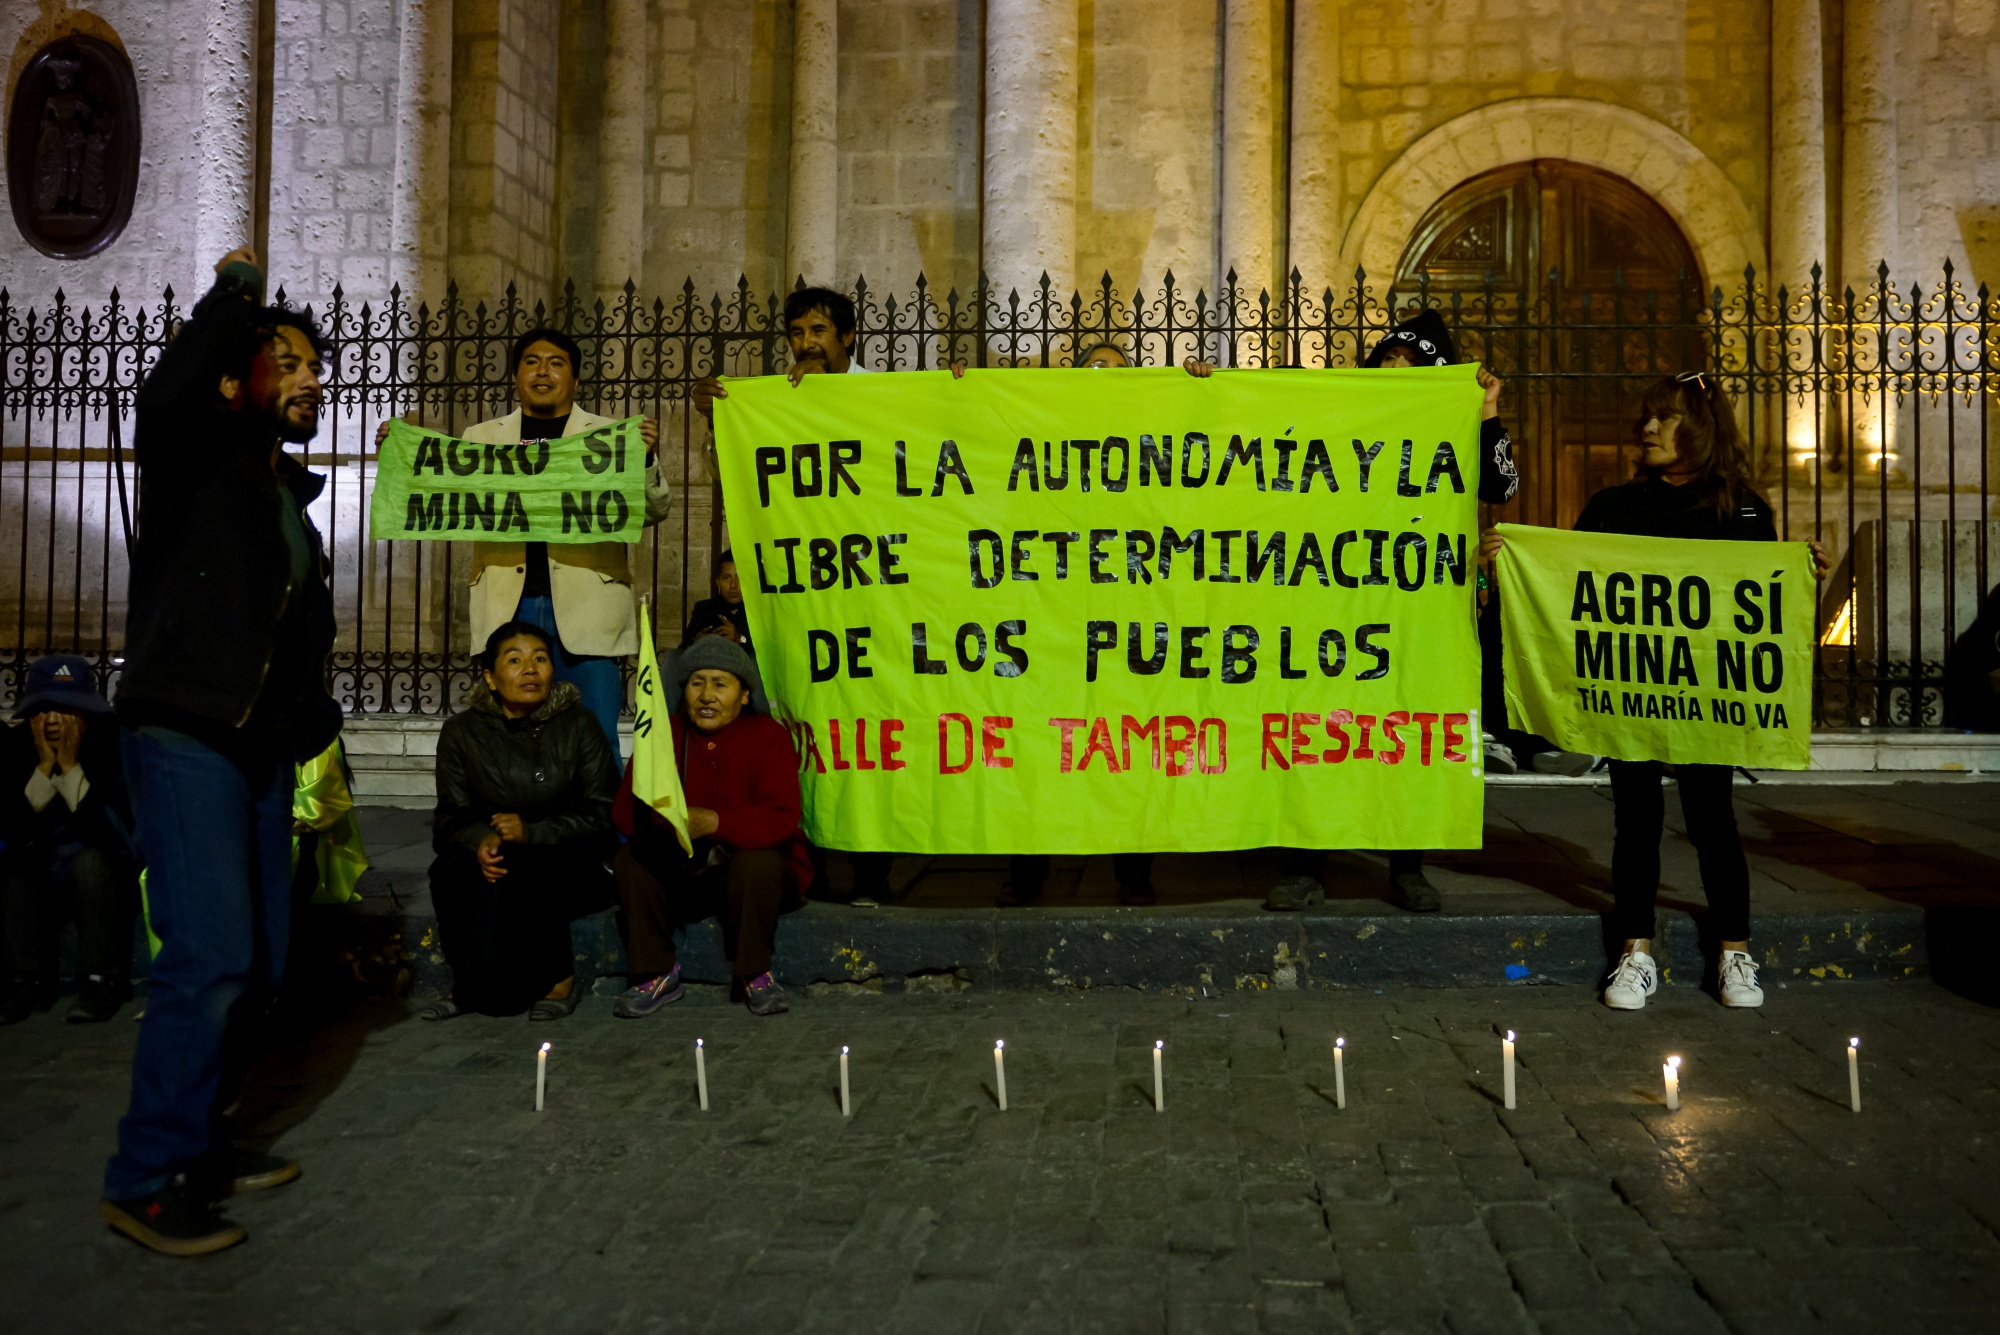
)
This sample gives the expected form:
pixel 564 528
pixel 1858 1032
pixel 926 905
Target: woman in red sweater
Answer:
pixel 741 774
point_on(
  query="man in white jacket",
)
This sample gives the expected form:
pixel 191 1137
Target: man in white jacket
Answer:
pixel 579 592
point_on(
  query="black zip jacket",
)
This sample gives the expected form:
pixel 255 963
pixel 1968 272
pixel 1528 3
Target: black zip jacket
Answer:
pixel 216 631
pixel 1654 508
pixel 554 769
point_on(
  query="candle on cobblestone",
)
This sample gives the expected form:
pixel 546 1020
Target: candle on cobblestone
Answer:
pixel 1340 1073
pixel 541 1075
pixel 1854 1074
pixel 1159 1076
pixel 1507 1068
pixel 846 1109
pixel 1672 1072
pixel 701 1073
pixel 1000 1070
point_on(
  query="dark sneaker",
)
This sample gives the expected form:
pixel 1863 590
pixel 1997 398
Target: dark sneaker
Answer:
pixel 175 1221
pixel 1294 893
pixel 1137 896
pixel 1018 894
pixel 1413 891
pixel 763 996
pixel 97 1000
pixel 639 1001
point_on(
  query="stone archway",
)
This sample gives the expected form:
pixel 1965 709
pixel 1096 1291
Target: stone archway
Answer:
pixel 1695 192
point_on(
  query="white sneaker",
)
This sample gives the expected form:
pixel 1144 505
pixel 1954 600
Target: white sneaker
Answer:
pixel 1739 981
pixel 1635 979
pixel 1569 764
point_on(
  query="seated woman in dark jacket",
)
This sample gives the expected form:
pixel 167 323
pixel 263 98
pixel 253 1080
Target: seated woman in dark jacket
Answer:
pixel 741 775
pixel 525 780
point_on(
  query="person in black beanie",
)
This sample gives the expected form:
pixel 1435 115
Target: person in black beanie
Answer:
pixel 1422 340
pixel 223 693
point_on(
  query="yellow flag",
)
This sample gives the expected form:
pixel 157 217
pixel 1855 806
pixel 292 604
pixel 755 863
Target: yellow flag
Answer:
pixel 656 774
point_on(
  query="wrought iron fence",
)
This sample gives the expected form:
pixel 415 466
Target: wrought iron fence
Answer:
pixel 1868 413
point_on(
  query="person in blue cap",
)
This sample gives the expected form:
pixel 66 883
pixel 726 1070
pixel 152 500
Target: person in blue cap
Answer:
pixel 65 823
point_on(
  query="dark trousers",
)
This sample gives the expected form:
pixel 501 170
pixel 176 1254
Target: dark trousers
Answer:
pixel 44 889
pixel 1030 872
pixel 663 890
pixel 1309 861
pixel 1640 814
pixel 507 941
pixel 218 844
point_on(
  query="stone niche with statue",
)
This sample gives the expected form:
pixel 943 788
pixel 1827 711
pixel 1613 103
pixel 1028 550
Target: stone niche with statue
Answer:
pixel 73 147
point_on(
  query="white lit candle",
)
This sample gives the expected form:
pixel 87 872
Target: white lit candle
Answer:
pixel 846 1109
pixel 1340 1073
pixel 541 1075
pixel 1507 1068
pixel 1672 1072
pixel 1159 1077
pixel 1854 1074
pixel 1000 1070
pixel 701 1074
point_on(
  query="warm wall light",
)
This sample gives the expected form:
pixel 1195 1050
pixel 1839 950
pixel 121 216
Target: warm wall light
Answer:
pixel 1840 630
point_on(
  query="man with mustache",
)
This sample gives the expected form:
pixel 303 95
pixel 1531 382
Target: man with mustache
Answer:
pixel 820 332
pixel 223 692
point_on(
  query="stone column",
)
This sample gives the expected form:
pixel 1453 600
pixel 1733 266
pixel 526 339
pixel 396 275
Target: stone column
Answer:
pixel 1029 223
pixel 420 209
pixel 1798 146
pixel 1868 147
pixel 1249 216
pixel 225 207
pixel 621 152
pixel 1314 203
pixel 1868 186
pixel 812 214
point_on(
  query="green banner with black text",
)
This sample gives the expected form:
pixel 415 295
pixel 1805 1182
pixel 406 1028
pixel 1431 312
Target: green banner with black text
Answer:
pixel 590 487
pixel 1667 649
pixel 1079 611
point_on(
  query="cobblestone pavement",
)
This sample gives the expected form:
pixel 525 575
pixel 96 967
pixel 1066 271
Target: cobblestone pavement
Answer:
pixel 435 1199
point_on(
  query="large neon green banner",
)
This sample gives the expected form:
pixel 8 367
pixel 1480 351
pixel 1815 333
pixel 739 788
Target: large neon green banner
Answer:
pixel 1099 611
pixel 1660 649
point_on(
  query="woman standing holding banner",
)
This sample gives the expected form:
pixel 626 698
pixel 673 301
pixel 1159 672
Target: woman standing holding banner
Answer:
pixel 1693 483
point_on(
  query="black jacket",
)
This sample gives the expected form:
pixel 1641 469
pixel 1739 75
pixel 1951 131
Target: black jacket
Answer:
pixel 553 769
pixel 1654 508
pixel 710 611
pixel 103 822
pixel 215 630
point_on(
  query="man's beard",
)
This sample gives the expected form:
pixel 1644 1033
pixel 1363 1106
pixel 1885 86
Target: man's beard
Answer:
pixel 294 432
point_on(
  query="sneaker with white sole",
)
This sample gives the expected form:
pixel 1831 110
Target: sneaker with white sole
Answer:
pixel 1739 981
pixel 643 999
pixel 1635 979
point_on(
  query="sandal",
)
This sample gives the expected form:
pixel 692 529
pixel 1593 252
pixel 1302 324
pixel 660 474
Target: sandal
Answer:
pixel 555 1008
pixel 444 1008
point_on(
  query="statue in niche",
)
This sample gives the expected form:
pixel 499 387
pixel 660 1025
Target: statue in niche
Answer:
pixel 69 159
pixel 73 147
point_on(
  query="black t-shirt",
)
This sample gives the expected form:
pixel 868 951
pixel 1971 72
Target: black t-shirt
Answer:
pixel 539 428
pixel 1654 508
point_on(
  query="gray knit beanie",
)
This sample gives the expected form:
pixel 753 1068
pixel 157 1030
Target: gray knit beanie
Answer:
pixel 712 652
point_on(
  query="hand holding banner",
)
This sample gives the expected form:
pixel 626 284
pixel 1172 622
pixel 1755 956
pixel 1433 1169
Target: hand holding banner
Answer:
pixel 656 771
pixel 589 487
pixel 1690 652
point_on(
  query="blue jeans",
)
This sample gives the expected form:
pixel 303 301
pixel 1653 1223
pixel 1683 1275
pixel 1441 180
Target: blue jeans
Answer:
pixel 218 849
pixel 596 679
